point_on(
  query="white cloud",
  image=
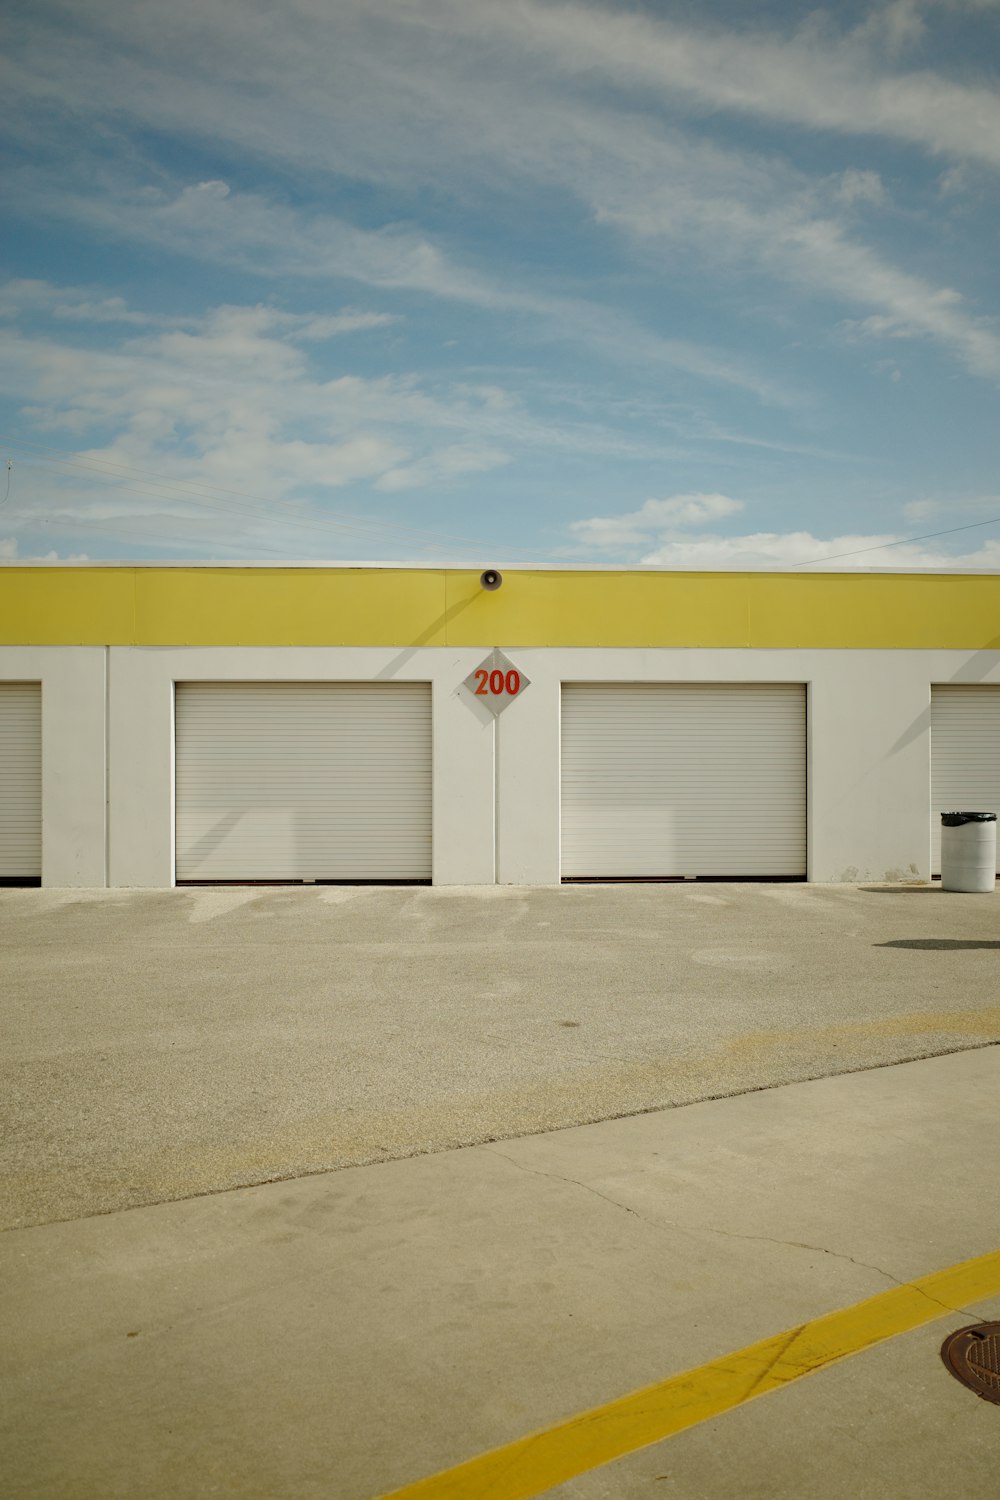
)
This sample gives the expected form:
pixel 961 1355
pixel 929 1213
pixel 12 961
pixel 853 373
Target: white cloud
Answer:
pixel 479 126
pixel 948 508
pixel 170 427
pixel 351 320
pixel 655 518
pixel 857 186
pixel 795 549
pixel 677 532
pixel 438 95
pixel 476 107
pixel 21 296
pixel 921 510
pixel 10 551
pixel 770 218
pixel 257 234
pixel 729 207
pixel 893 27
pixel 818 76
pixel 441 464
pixel 75 304
pixel 227 73
pixel 956 180
pixel 228 412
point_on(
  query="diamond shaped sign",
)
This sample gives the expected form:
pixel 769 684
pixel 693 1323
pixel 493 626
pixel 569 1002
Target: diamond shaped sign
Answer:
pixel 496 682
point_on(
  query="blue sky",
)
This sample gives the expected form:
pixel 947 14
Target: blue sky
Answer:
pixel 676 285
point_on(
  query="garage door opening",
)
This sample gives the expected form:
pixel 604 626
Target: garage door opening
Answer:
pixel 965 755
pixel 666 781
pixel 20 783
pixel 303 783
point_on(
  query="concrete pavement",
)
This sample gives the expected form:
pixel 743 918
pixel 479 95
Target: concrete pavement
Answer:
pixel 160 1044
pixel 349 1332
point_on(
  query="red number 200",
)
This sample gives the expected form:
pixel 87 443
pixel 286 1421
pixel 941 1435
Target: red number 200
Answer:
pixel 497 682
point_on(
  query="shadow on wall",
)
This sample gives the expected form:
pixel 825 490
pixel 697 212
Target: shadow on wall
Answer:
pixel 946 945
pixel 211 842
pixel 398 662
pixel 973 672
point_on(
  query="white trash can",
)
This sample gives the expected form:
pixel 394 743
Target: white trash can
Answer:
pixel 968 851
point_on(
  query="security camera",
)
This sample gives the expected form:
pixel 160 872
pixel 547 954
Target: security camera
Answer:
pixel 491 579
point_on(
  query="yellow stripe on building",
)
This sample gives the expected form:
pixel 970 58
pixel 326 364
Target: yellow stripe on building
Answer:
pixel 330 606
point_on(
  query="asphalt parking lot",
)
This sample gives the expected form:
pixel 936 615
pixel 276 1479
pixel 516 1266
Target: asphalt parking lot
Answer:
pixel 165 1043
pixel 301 1198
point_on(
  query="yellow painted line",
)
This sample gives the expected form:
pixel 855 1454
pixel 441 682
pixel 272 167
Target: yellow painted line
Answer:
pixel 534 1464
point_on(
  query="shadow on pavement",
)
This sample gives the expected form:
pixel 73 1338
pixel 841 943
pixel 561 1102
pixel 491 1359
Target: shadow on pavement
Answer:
pixel 949 944
pixel 898 890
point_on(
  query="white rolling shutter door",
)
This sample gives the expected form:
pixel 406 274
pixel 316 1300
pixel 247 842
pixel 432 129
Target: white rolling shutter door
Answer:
pixel 965 755
pixel 303 781
pixel 20 780
pixel 670 779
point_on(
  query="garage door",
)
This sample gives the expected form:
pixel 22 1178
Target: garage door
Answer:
pixel 703 779
pixel 20 780
pixel 965 755
pixel 303 781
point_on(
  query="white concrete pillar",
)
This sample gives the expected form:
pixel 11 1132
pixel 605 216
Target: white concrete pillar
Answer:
pixel 527 777
pixel 73 766
pixel 463 796
pixel 140 767
pixel 869 768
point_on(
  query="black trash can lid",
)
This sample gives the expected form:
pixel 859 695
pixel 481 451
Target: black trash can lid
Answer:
pixel 956 819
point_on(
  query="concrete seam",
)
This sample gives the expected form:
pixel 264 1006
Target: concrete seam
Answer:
pixel 488 1142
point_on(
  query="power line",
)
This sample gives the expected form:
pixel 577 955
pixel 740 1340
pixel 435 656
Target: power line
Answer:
pixel 901 542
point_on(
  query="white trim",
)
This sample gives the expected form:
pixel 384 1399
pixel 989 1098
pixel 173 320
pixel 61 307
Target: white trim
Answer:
pixel 487 558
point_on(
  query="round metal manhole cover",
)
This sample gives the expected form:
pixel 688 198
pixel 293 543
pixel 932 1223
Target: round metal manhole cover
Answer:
pixel 973 1357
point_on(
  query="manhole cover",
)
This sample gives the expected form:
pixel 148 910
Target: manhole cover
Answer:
pixel 973 1357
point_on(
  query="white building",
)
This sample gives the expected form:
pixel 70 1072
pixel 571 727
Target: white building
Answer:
pixel 174 723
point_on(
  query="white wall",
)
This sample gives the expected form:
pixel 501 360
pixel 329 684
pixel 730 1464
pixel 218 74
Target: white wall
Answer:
pixel 496 815
pixel 73 760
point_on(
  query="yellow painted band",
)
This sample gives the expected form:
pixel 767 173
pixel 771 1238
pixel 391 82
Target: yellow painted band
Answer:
pixel 534 1464
pixel 245 606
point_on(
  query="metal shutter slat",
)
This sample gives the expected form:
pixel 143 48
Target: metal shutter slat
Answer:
pixel 20 780
pixel 317 781
pixel 662 779
pixel 965 755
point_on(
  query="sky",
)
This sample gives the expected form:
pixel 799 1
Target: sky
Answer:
pixel 502 282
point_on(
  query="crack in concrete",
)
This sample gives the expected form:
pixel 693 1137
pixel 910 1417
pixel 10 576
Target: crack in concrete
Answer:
pixel 730 1234
pixel 573 1182
pixel 823 1250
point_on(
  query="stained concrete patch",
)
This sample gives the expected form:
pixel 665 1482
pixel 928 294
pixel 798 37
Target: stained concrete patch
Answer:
pixel 206 905
pixel 162 1044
